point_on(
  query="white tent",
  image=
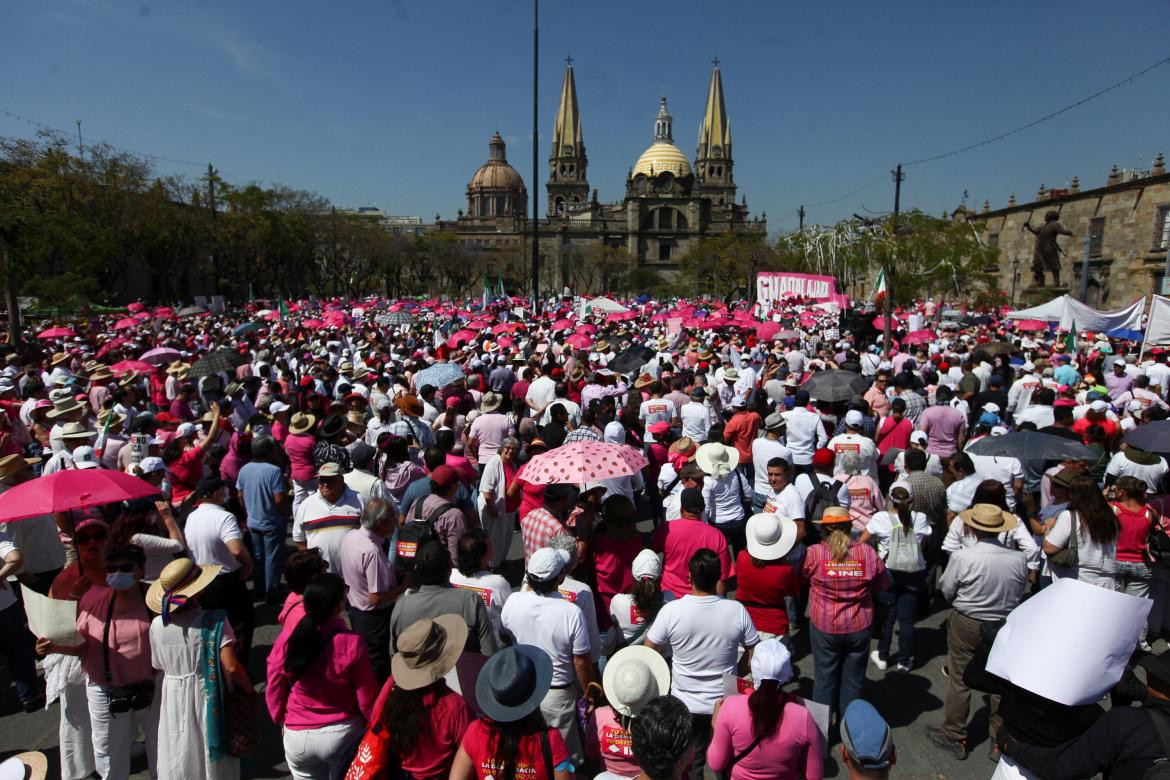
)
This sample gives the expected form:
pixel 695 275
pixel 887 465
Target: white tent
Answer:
pixel 1049 312
pixel 605 305
pixel 1068 311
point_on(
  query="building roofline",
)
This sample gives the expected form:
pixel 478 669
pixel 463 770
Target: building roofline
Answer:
pixel 1144 181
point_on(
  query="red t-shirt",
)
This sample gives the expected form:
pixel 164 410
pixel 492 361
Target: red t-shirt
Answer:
pixel 761 590
pixel 613 560
pixel 679 540
pixel 187 470
pixel 1135 531
pixel 1081 428
pixel 478 742
pixel 447 717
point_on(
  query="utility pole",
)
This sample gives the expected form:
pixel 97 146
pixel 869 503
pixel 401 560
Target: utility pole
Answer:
pixel 535 190
pixel 80 148
pixel 898 177
pixel 211 174
pixel 800 213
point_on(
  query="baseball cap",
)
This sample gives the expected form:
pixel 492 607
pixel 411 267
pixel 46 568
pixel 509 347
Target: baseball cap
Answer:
pixel 823 457
pixel 647 566
pixel 152 465
pixel 329 470
pixel 866 736
pixel 902 484
pixel 547 563
pixel 989 418
pixel 276 407
pixel 444 476
pixel 1099 406
pixel 919 437
pixel 854 418
pixel 771 660
pixel 698 392
pixel 185 430
pixel 85 457
pixel 660 428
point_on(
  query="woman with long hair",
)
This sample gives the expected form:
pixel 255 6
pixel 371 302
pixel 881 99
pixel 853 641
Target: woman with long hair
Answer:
pixel 418 721
pixel 398 470
pixel 632 611
pixel 843 577
pixel 300 568
pixel 767 733
pixel 321 687
pixel 900 533
pixel 959 534
pixel 512 741
pixel 1097 529
pixel 633 677
pixel 1134 572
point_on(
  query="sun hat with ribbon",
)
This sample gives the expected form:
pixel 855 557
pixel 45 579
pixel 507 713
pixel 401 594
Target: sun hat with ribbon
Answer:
pixel 179 581
pixel 633 676
pixel 427 650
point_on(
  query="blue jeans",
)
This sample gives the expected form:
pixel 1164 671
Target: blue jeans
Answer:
pixel 901 606
pixel 267 562
pixel 17 646
pixel 839 662
pixel 758 502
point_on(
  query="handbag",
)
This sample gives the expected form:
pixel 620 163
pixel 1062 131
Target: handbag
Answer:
pixel 1068 557
pixel 372 758
pixel 241 709
pixel 122 698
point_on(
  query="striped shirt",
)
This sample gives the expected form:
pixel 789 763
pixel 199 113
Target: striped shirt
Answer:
pixel 841 594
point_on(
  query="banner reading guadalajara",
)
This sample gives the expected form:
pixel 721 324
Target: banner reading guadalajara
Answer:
pixel 775 286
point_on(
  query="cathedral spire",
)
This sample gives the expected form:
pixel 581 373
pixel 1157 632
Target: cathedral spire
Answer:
pixel 567 132
pixel 715 131
pixel 662 123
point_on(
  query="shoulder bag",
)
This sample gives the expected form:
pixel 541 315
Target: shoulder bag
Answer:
pixel 122 698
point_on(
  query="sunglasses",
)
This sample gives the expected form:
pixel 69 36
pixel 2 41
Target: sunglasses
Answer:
pixel 127 568
pixel 89 539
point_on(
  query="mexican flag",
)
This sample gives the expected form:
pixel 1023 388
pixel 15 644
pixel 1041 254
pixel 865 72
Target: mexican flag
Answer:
pixel 283 308
pixel 880 287
pixel 1070 341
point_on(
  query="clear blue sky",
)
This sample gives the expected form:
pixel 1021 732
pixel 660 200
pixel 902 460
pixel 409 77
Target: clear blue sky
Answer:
pixel 392 103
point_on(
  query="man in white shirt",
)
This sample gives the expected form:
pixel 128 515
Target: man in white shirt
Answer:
pixel 704 633
pixel 962 490
pixel 822 474
pixel 541 392
pixel 697 417
pixel 853 441
pixel 764 449
pixel 542 617
pixel 1020 394
pixel 322 519
pixel 214 537
pixel 471 572
pixel 656 409
pixel 782 497
pixel 805 433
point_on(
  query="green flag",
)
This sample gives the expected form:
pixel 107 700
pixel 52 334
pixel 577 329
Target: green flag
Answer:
pixel 283 309
pixel 1070 341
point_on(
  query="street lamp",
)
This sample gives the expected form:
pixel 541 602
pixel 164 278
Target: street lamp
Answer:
pixel 1015 277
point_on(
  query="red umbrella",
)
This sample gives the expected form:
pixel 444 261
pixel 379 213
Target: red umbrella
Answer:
pixel 111 345
pixel 135 307
pixel 562 324
pixel 1029 325
pixel 71 489
pixel 126 366
pixel 464 336
pixel 767 330
pixel 126 324
pixel 56 333
pixel 919 337
pixel 579 340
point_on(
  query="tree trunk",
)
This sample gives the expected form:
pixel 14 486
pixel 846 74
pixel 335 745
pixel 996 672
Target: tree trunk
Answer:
pixel 11 303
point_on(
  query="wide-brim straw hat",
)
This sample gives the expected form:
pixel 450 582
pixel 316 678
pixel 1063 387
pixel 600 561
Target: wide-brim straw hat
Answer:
pixel 410 405
pixel 58 358
pixel 13 464
pixel 989 518
pixel 179 581
pixel 491 402
pixel 684 446
pixel 301 422
pixel 101 374
pixel 427 650
pixel 633 676
pixel 63 407
pixel 769 536
pixel 717 460
pixel 33 765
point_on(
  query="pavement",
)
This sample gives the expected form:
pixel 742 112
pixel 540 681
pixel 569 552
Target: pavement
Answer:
pixel 909 701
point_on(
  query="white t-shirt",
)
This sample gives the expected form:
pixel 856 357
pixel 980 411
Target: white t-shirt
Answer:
pixel 209 528
pixel 704 634
pixel 696 420
pixel 655 410
pixel 493 589
pixel 1003 470
pixel 551 623
pixel 541 392
pixel 322 525
pixel 1121 466
pixel 787 503
pixel 862 446
pixel 881 526
pixel 763 450
pixel 960 492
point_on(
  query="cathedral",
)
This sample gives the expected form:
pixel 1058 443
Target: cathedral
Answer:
pixel 669 205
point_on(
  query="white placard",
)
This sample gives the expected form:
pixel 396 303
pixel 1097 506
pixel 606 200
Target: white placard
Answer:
pixel 53 619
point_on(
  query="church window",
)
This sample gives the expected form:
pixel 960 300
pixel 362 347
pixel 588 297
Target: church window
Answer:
pixel 1162 228
pixel 664 252
pixel 666 219
pixel 992 240
pixel 1096 236
pixel 572 169
pixel 559 206
pixel 680 222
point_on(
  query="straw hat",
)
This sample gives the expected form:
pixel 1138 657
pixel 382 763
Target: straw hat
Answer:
pixel 633 676
pixel 770 536
pixel 409 405
pixel 834 515
pixel 76 430
pixel 427 650
pixel 178 367
pixel 32 765
pixel 601 346
pixel 58 358
pixel 301 423
pixel 716 459
pixel 988 518
pixel 101 374
pixel 730 375
pixel 13 464
pixel 684 446
pixel 491 401
pixel 115 418
pixel 645 380
pixel 179 581
pixel 64 405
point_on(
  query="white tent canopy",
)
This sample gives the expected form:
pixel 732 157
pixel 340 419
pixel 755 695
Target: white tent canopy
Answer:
pixel 1048 312
pixel 1067 312
pixel 603 304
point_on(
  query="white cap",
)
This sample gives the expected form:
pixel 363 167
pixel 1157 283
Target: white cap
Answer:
pixel 186 429
pixel 991 407
pixel 771 660
pixel 919 437
pixel 546 563
pixel 1099 406
pixel 999 430
pixel 85 457
pixel 152 465
pixel 1029 366
pixel 902 484
pixel 647 566
pixel 854 418
pixel 278 406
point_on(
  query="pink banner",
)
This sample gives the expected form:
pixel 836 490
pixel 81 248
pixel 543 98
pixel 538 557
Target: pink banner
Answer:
pixel 775 286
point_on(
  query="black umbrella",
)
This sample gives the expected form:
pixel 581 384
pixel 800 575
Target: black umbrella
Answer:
pixel 991 349
pixel 222 360
pixel 630 359
pixel 835 385
pixel 1151 437
pixel 1032 445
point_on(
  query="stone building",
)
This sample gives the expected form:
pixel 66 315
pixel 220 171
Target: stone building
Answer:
pixel 669 205
pixel 1125 220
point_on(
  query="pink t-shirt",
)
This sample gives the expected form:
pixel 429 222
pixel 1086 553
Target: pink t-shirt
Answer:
pixel 793 751
pixel 942 425
pixel 865 498
pixel 615 744
pixel 292 611
pixel 337 687
pixel 129 639
pixel 300 455
pixel 490 429
pixel 679 540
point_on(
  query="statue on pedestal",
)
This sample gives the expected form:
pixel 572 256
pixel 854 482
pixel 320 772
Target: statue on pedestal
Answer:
pixel 1047 252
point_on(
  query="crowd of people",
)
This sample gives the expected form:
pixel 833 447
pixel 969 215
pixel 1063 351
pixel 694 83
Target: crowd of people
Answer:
pixel 449 607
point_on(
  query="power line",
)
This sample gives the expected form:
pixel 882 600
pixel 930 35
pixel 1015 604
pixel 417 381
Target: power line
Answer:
pixel 1045 118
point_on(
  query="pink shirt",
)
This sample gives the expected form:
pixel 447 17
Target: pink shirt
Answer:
pixel 129 641
pixel 617 747
pixel 339 686
pixel 942 425
pixel 292 611
pixel 680 539
pixel 793 751
pixel 490 429
pixel 300 454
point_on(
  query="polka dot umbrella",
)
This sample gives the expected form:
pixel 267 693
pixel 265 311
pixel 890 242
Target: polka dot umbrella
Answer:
pixel 581 462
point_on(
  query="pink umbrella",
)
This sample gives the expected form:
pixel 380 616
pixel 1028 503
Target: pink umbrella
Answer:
pixel 504 341
pixel 126 366
pixel 126 324
pixel 110 346
pixel 767 330
pixel 503 327
pixel 579 341
pixel 313 324
pixel 71 489
pixel 880 323
pixel 160 356
pixel 1030 325
pixel 919 337
pixel 460 336
pixel 581 462
pixel 135 307
pixel 562 324
pixel 164 311
pixel 479 325
pixel 587 328
pixel 56 333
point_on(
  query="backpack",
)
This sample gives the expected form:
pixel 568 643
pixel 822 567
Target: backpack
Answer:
pixel 821 498
pixel 903 553
pixel 416 532
pixel 1160 769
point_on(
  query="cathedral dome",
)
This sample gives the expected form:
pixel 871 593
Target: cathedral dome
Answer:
pixel 660 157
pixel 496 174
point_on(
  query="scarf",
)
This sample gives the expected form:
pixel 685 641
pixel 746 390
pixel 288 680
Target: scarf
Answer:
pixel 215 719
